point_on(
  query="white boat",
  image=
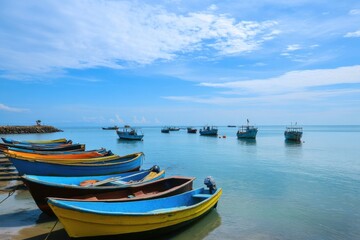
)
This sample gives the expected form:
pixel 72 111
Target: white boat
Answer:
pixel 130 133
pixel 293 133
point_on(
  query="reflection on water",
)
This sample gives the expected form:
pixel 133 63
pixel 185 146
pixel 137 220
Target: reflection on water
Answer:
pixel 245 141
pixel 125 141
pixel 199 229
pixel 290 143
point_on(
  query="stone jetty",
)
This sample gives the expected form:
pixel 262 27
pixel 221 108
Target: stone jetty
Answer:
pixel 28 129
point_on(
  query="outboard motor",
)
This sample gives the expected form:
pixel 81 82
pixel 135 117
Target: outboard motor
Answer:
pixel 155 168
pixel 210 183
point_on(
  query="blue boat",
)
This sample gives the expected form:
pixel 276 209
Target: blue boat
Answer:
pixel 134 219
pixel 247 132
pixel 129 133
pixel 131 162
pixel 165 130
pixel 209 131
pixel 42 187
pixel 293 133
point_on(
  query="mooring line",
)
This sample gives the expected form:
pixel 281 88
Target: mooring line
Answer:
pixel 10 193
pixel 51 229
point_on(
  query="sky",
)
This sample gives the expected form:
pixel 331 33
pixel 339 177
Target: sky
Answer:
pixel 173 62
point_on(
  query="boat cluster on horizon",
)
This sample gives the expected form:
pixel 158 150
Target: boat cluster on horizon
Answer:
pixel 291 133
pixel 73 184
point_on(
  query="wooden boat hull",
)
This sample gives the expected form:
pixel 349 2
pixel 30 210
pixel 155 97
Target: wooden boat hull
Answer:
pixel 56 155
pixel 191 130
pixel 165 130
pixel 95 219
pixel 50 141
pixel 59 147
pixel 42 187
pixel 127 135
pixel 126 163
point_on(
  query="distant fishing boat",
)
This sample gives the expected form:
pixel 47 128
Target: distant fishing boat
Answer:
pixel 174 128
pixel 165 130
pixel 248 132
pixel 191 130
pixel 293 133
pixel 209 131
pixel 232 126
pixel 111 128
pixel 129 133
pixel 116 187
pixel 134 219
pixel 78 167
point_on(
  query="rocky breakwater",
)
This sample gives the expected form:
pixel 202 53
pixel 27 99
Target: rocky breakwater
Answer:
pixel 27 129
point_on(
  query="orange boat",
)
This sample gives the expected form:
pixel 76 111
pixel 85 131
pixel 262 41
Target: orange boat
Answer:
pixel 78 155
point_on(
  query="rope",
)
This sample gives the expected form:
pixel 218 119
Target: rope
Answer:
pixel 47 236
pixel 9 195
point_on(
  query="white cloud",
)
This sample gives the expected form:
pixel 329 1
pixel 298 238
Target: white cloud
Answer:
pixel 117 119
pixel 354 12
pixel 3 107
pixel 296 85
pixel 353 34
pixel 53 35
pixel 293 47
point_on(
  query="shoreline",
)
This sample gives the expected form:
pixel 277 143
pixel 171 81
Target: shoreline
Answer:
pixel 28 129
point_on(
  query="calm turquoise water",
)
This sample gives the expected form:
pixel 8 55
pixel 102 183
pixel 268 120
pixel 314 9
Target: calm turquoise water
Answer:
pixel 271 189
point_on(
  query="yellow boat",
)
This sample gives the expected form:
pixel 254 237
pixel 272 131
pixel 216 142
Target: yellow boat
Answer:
pixel 138 218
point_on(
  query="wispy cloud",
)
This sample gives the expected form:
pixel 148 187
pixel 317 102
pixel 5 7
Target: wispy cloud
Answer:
pixel 3 107
pixel 53 35
pixel 296 85
pixel 353 34
pixel 354 12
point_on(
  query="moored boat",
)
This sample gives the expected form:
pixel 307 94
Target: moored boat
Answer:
pixel 45 147
pixel 209 131
pixel 117 187
pixel 129 133
pixel 49 141
pixel 111 128
pixel 58 155
pixel 293 133
pixel 191 130
pixel 174 128
pixel 247 131
pixel 165 130
pixel 78 167
pixel 137 218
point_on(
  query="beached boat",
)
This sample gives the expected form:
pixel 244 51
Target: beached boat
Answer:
pixel 45 147
pixel 58 155
pixel 108 165
pixel 137 218
pixel 247 131
pixel 50 141
pixel 100 150
pixel 119 187
pixel 191 130
pixel 209 131
pixel 165 130
pixel 64 158
pixel 129 133
pixel 293 133
pixel 111 128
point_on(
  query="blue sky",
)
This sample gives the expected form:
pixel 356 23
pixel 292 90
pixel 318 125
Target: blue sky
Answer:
pixel 178 62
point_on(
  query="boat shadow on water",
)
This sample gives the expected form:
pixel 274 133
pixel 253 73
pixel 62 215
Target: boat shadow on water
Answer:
pixel 126 141
pixel 291 143
pixel 246 141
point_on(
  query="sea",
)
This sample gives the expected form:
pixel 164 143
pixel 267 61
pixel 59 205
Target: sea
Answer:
pixel 272 189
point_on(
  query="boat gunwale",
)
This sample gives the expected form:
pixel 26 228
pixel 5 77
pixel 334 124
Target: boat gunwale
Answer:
pixel 216 195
